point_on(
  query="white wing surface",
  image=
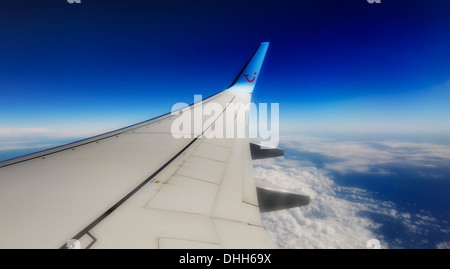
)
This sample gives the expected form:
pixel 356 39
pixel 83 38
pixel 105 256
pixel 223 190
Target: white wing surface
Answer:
pixel 150 185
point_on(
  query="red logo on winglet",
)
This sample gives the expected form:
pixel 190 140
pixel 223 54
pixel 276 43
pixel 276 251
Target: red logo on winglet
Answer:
pixel 250 80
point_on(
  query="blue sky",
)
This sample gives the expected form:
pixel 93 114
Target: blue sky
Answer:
pixel 367 73
pixel 341 67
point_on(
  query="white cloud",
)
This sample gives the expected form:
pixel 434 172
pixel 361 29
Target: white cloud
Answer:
pixel 43 137
pixel 362 157
pixel 327 222
pixel 337 216
pixel 23 132
pixel 24 138
pixel 443 245
pixel 4 146
pixel 55 132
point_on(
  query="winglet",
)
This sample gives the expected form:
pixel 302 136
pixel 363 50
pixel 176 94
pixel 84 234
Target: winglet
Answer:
pixel 248 76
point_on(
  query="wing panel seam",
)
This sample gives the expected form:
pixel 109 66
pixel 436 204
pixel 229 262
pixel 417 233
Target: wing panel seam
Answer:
pixel 126 197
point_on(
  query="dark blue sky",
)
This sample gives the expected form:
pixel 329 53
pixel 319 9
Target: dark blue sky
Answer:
pixel 334 66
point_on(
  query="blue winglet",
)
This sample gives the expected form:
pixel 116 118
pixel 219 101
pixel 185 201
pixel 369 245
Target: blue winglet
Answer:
pixel 246 80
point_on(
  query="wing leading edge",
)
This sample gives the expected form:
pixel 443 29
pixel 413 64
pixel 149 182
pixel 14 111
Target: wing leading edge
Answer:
pixel 140 187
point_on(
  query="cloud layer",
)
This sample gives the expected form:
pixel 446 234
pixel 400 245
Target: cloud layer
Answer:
pixel 327 222
pixel 42 137
pixel 350 156
pixel 345 217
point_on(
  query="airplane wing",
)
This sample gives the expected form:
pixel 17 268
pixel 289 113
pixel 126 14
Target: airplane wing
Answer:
pixel 169 182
